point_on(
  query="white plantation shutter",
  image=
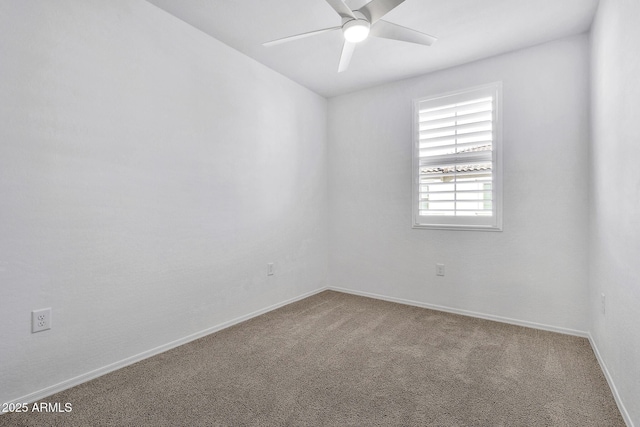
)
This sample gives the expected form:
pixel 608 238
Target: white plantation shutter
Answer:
pixel 457 160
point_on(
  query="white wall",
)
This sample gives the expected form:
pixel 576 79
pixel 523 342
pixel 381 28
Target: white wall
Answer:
pixel 615 198
pixel 147 175
pixel 533 271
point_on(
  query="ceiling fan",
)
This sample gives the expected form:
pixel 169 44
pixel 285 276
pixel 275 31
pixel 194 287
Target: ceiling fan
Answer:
pixel 357 25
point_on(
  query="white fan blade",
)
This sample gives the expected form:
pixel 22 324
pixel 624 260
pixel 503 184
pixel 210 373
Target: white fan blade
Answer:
pixel 342 9
pixel 299 36
pixel 376 9
pixel 345 57
pixel 387 30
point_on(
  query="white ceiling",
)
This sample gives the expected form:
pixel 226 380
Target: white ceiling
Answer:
pixel 467 30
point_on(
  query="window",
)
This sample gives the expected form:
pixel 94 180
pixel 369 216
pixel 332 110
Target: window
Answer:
pixel 456 160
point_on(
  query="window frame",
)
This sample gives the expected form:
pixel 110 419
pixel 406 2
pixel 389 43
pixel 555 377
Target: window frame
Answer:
pixel 443 222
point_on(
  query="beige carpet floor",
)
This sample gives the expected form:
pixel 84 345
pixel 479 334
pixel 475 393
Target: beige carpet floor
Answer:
pixel 335 359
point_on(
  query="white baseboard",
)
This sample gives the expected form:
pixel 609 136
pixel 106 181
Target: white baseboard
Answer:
pixel 612 386
pixel 72 382
pixel 511 321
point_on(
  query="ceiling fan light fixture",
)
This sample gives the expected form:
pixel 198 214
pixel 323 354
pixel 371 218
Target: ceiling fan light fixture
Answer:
pixel 356 26
pixel 356 30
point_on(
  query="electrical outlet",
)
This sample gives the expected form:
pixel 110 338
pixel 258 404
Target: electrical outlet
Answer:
pixel 439 269
pixel 270 269
pixel 603 301
pixel 40 320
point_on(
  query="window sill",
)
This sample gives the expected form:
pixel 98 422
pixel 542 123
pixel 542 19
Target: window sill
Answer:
pixel 454 227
